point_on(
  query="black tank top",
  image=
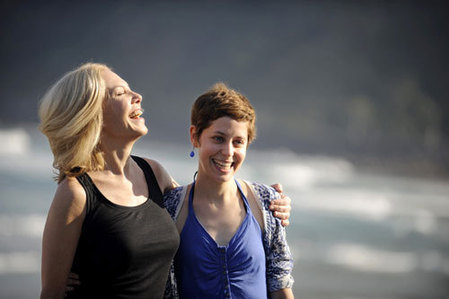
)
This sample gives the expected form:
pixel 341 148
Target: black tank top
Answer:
pixel 124 252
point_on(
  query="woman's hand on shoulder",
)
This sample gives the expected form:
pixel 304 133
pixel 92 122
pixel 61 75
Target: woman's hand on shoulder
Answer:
pixel 281 207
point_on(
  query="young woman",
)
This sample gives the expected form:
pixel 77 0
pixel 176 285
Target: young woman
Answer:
pixel 107 221
pixel 231 246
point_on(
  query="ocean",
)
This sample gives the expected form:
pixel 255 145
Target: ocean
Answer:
pixel 353 234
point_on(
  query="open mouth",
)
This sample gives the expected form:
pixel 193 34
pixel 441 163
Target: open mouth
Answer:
pixel 136 114
pixel 225 165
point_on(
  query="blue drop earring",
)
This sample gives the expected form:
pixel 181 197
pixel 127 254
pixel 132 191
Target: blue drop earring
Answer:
pixel 192 153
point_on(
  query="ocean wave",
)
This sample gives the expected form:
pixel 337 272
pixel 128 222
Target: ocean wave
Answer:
pixel 363 258
pixel 353 203
pixel 20 262
pixel 14 142
pixel 22 225
pixel 370 259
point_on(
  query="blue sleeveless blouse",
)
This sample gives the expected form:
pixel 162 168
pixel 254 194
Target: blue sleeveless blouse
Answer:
pixel 205 269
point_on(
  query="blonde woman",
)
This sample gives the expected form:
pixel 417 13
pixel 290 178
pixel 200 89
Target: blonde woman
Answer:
pixel 107 221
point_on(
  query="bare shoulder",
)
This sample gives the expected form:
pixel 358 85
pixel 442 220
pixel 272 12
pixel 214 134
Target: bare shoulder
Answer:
pixel 71 188
pixel 184 211
pixel 253 202
pixel 155 165
pixel 70 197
pixel 246 189
pixel 164 179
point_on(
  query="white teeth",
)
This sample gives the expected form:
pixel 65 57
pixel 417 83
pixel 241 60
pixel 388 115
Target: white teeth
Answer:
pixel 223 164
pixel 136 114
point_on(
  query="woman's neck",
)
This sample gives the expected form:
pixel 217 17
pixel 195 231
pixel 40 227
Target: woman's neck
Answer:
pixel 211 190
pixel 116 156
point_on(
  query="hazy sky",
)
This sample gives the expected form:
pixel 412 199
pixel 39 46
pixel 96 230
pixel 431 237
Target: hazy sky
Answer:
pixel 337 75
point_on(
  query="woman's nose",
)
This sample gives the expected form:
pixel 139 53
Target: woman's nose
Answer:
pixel 137 97
pixel 228 149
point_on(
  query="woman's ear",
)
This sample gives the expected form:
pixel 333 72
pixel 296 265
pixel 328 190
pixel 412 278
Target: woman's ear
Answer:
pixel 193 136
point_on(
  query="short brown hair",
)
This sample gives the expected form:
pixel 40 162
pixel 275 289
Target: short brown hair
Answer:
pixel 221 101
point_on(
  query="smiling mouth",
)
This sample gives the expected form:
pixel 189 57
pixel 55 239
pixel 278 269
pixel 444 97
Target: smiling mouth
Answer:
pixel 136 114
pixel 223 164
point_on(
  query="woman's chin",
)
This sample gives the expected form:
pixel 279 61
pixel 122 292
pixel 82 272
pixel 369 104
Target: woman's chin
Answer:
pixel 141 129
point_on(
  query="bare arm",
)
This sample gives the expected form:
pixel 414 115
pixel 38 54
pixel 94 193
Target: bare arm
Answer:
pixel 60 239
pixel 282 294
pixel 165 181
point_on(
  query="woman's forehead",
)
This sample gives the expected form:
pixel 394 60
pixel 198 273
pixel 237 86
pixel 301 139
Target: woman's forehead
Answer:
pixel 112 80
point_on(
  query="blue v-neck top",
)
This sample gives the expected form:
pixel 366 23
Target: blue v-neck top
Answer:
pixel 205 269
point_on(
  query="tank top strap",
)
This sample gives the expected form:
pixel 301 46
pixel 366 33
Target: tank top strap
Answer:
pixel 245 200
pixel 192 190
pixel 155 193
pixel 86 183
pixel 89 187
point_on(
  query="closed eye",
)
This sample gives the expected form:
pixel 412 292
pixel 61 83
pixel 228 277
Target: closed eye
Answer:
pixel 119 91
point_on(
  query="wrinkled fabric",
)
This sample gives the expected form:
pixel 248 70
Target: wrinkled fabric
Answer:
pixel 205 269
pixel 279 262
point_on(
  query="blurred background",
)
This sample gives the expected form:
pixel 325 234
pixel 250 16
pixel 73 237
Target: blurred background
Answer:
pixel 352 110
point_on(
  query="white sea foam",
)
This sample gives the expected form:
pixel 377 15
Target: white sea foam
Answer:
pixel 299 172
pixel 34 165
pixel 22 225
pixel 14 141
pixel 19 262
pixel 353 203
pixel 363 258
pixel 371 259
pixel 425 222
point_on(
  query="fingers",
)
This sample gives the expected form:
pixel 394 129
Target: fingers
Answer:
pixel 73 276
pixel 281 209
pixel 285 223
pixel 72 281
pixel 282 215
pixel 283 201
pixel 287 199
pixel 71 284
pixel 277 187
pixel 281 205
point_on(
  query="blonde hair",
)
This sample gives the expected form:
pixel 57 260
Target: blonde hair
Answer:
pixel 71 117
pixel 221 101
